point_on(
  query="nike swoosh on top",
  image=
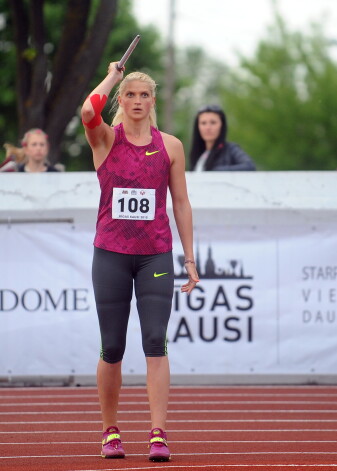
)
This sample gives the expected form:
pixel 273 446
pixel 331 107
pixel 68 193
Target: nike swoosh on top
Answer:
pixel 159 274
pixel 150 153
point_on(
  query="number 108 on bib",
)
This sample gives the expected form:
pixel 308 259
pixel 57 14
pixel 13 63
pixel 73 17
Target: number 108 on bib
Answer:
pixel 134 203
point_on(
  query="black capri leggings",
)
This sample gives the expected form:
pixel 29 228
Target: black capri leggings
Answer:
pixel 113 276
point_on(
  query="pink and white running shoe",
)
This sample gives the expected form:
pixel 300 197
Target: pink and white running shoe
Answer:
pixel 159 450
pixel 111 444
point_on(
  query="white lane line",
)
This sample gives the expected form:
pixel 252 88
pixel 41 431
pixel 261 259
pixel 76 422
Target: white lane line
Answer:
pixel 171 431
pixel 248 453
pixel 136 403
pixel 184 421
pixel 273 390
pixel 227 466
pixel 176 387
pixel 141 442
pixel 170 412
pixel 172 394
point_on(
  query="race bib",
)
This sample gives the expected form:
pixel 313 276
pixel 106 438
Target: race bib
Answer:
pixel 133 203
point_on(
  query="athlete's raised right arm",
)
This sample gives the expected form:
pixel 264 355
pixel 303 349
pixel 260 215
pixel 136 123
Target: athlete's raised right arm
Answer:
pixel 100 135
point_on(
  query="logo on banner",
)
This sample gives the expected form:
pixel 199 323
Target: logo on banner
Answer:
pixel 319 295
pixel 33 300
pixel 233 271
pixel 223 299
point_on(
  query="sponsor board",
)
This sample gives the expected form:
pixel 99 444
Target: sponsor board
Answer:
pixel 264 304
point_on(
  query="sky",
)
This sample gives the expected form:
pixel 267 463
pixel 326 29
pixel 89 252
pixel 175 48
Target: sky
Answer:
pixel 223 27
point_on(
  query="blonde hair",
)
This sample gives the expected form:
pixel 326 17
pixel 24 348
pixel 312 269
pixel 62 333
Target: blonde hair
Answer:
pixel 140 77
pixel 24 140
pixel 17 153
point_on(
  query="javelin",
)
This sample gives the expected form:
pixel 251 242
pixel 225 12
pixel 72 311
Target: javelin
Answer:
pixel 128 53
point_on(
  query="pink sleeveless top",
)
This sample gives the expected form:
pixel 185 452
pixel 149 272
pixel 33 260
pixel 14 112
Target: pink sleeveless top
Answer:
pixel 131 166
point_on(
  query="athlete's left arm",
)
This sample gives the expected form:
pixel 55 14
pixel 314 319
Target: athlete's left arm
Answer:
pixel 181 206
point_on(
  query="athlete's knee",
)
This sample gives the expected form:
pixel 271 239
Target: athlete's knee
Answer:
pixel 112 354
pixel 155 345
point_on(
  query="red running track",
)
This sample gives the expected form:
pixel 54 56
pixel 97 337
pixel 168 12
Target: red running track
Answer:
pixel 227 428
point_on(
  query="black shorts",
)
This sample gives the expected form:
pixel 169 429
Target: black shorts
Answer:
pixel 114 275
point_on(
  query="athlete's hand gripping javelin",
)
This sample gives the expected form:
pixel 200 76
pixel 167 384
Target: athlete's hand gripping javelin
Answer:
pixel 120 66
pixel 112 67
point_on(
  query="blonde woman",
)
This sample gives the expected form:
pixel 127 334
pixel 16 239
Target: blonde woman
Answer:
pixel 35 147
pixel 32 156
pixel 135 164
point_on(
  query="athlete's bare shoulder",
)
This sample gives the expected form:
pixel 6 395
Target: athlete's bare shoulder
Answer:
pixel 173 146
pixel 170 139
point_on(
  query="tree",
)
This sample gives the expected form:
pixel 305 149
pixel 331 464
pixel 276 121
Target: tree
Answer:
pixel 198 82
pixel 59 54
pixel 48 94
pixel 282 103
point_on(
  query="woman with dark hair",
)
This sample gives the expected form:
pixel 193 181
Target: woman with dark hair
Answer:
pixel 210 149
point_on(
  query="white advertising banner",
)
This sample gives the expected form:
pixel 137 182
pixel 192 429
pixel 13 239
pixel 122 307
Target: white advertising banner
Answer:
pixel 48 324
pixel 266 303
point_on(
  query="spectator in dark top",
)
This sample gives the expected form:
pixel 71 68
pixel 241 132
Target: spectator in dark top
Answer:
pixel 210 149
pixel 35 146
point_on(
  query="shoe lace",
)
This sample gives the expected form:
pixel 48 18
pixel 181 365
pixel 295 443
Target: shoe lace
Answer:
pixel 112 440
pixel 115 443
